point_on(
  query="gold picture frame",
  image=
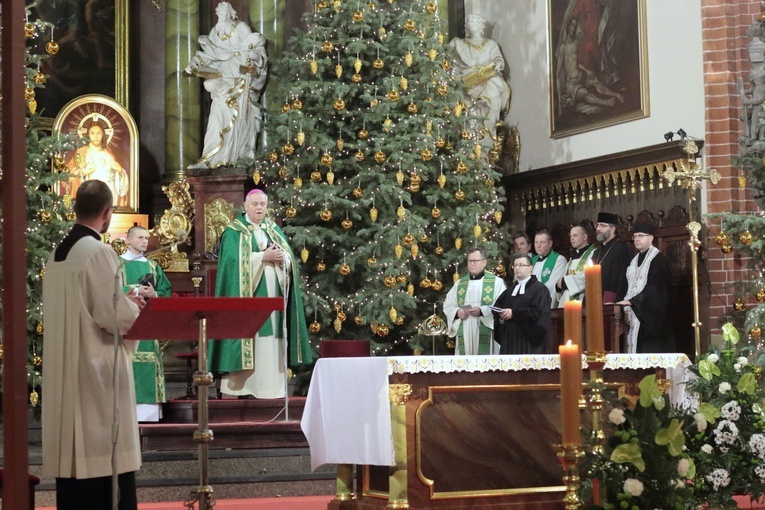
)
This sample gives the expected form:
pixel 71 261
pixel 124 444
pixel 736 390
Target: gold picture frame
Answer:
pixel 111 154
pixel 598 64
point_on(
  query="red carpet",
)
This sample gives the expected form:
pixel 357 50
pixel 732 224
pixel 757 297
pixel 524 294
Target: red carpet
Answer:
pixel 297 503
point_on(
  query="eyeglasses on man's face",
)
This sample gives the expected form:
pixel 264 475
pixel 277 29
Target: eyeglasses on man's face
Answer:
pixel 639 236
pixel 516 266
pixel 475 261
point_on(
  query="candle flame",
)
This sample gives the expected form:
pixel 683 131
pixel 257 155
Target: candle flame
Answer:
pixel 568 343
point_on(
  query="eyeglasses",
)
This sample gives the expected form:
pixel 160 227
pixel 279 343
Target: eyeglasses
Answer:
pixel 475 261
pixel 516 266
pixel 638 236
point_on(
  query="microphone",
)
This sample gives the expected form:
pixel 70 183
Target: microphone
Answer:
pixel 182 236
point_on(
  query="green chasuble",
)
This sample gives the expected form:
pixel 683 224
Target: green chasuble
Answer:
pixel 235 278
pixel 487 298
pixel 148 370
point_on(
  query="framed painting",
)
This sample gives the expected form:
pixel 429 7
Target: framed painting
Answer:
pixel 111 154
pixel 92 57
pixel 598 64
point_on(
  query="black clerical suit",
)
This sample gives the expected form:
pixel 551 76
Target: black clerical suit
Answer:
pixel 651 307
pixel 613 257
pixel 526 331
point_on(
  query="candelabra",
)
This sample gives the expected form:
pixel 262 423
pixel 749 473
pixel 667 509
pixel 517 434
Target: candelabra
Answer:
pixel 595 362
pixel 570 456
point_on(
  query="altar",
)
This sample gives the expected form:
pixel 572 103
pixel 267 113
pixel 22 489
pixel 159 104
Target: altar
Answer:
pixel 447 432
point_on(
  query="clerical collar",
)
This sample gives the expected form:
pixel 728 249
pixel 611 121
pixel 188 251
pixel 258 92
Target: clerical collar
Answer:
pixel 78 232
pixel 520 288
pixel 129 255
pixel 541 258
pixel 476 276
pixel 256 225
pixel 577 254
pixel 641 258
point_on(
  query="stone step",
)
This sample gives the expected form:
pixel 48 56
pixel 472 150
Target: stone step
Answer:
pixel 233 410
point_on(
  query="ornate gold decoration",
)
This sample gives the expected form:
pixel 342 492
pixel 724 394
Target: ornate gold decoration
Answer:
pixel 358 192
pixel 756 332
pixel 314 327
pixel 458 243
pixel 339 104
pixel 378 63
pixel 321 267
pixel 291 212
pixel 380 157
pixel 316 176
pixel 398 394
pixel 439 250
pixel 347 223
pixel 327 159
pixel 746 238
pixel 288 149
pixel 393 95
pixel 327 47
pixel 722 238
pixel 34 398
pixel 363 134
pixel 218 213
pixel 175 225
pixel 371 261
pixel 345 269
pixel 411 108
pixel 356 78
pixel 40 328
pixel 297 104
pixel 389 281
pixel 326 215
pixel 739 305
pixel 435 212
pixel 760 295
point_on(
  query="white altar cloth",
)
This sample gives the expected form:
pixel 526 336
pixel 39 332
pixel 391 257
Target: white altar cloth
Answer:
pixel 346 419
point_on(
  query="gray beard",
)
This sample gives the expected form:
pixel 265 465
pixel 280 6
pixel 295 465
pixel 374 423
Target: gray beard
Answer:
pixel 224 27
pixel 600 237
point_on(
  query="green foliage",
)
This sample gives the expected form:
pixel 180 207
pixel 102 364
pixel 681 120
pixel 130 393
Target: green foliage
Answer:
pixel 49 215
pixel 373 123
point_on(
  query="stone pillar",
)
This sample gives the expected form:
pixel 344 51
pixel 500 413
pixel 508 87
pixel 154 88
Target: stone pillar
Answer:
pixel 183 129
pixel 267 17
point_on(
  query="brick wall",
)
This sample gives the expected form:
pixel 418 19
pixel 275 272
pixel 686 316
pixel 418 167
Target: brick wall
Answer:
pixel 724 26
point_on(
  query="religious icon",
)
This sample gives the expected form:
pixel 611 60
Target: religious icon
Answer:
pixel 111 154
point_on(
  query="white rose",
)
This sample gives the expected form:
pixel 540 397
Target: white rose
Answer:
pixel 633 487
pixel 724 387
pixel 743 361
pixel 737 367
pixel 683 466
pixel 712 358
pixel 616 416
pixel 707 449
pixel 701 422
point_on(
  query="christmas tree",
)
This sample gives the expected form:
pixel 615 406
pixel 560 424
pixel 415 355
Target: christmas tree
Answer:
pixel 49 215
pixel 375 167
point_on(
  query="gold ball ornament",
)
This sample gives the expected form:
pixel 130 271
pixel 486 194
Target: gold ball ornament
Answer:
pixel 393 95
pixel 401 278
pixel 409 239
pixel 378 63
pixel 739 305
pixel 273 157
pixel 722 238
pixel 435 212
pixel 411 108
pixel 316 176
pixel 374 102
pixel 297 104
pixel 760 295
pixel 446 64
pixel 321 267
pixel 459 195
pixel 439 250
pixel 70 216
pixel 41 273
pixel 380 157
pixel 465 134
pixel 746 238
pixel 371 261
pixel 322 5
pixel 456 277
pixel 347 223
pixel 442 90
pixel 288 149
pixel 29 30
pixel 726 248
pixel 342 315
pixel 326 215
pixel 415 179
pixel 36 360
pixel 360 155
pixel 431 8
pixel 291 212
pixel 410 25
pixel 426 154
pixel 450 344
pixel 52 47
pixel 358 320
pixel 59 164
pixel 315 327
pixel 356 78
pixel 500 269
pixel 756 332
pixel 399 320
pixel 39 78
pixel 437 285
pixel 40 328
pixel 424 238
pixel 461 168
pixel 45 216
pixel 363 134
pixel 286 107
pixel 383 331
pixel 389 281
pixel 358 192
pixel 345 269
pixel 339 105
pixel 327 47
pixel 358 16
pixel 283 172
pixel 29 93
pixel 327 159
pixel 425 283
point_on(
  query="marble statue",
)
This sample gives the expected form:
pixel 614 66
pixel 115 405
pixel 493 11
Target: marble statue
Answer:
pixel 234 64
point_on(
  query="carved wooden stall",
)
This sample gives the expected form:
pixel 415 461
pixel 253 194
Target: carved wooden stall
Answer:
pixel 631 185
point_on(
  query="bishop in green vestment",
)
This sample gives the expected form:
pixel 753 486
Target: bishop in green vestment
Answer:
pixel 255 260
pixel 148 369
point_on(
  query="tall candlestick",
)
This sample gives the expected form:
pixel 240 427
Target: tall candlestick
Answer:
pixel 594 298
pixel 572 322
pixel 570 388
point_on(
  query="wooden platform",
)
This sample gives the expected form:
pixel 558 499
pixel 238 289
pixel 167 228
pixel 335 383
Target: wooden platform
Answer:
pixel 235 423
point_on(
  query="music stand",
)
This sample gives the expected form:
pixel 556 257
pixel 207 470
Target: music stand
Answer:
pixel 194 319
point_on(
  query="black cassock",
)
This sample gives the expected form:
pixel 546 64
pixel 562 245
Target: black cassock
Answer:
pixel 651 306
pixel 526 332
pixel 613 257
